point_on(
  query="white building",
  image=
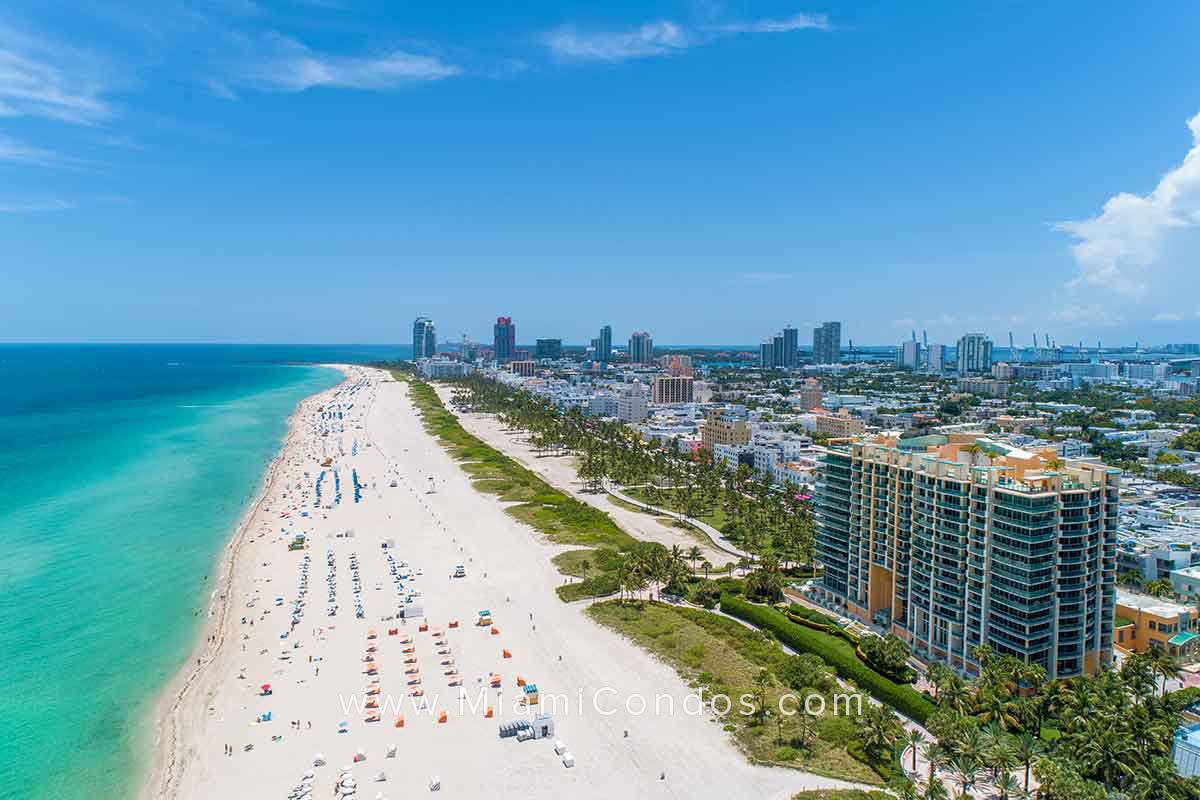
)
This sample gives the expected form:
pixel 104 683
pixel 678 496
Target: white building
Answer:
pixel 631 404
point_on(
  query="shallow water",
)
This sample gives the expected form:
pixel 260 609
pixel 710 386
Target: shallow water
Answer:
pixel 123 471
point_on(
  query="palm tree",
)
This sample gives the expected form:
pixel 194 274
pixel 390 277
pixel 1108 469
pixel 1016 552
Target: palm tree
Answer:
pixel 966 773
pixel 806 730
pixel 936 756
pixel 1166 665
pixel 694 555
pixel 585 567
pixel 761 681
pixel 706 565
pixel 913 738
pixel 935 790
pixel 1028 748
pixel 1007 786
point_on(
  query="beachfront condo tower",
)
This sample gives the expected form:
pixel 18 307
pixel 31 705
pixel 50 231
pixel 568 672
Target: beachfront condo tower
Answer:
pixel 953 542
pixel 505 339
pixel 424 340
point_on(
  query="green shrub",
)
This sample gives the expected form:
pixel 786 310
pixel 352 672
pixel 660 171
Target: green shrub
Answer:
pixel 838 654
pixel 785 754
pixel 838 730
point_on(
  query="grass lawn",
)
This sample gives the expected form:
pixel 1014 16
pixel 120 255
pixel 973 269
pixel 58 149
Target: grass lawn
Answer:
pixel 715 517
pixel 725 657
pixel 562 518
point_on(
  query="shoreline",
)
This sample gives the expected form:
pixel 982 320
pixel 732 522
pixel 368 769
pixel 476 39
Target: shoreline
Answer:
pixel 159 779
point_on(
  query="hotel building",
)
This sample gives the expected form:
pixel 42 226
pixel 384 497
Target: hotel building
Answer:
pixel 668 389
pixel 953 542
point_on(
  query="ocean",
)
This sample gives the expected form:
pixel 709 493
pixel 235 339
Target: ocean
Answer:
pixel 123 471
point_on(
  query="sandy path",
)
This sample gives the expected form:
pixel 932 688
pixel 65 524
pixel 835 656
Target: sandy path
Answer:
pixel 597 673
pixel 560 472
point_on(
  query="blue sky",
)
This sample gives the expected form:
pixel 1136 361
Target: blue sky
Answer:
pixel 709 171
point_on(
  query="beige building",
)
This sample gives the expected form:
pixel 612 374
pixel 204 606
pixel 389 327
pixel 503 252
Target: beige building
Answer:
pixel 524 368
pixel 809 394
pixel 839 426
pixel 673 389
pixel 724 426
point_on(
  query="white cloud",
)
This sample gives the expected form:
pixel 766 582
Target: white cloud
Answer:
pixel 1122 248
pixel 33 207
pixel 20 153
pixel 41 78
pixel 651 39
pixel 664 37
pixel 796 22
pixel 293 67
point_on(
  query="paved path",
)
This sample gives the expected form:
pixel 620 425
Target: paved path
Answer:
pixel 718 540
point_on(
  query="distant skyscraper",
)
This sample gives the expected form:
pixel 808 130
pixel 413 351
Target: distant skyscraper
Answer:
pixel 974 354
pixel 935 358
pixel 604 345
pixel 777 356
pixel 424 341
pixel 909 355
pixel 641 347
pixel 505 339
pixel 548 348
pixel 827 343
pixel 766 354
pixel 791 347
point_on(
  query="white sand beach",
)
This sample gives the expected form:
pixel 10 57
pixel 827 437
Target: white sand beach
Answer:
pixel 317 668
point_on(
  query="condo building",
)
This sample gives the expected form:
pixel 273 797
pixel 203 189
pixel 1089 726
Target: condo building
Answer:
pixel 827 343
pixel 667 389
pixel 504 335
pixel 424 338
pixel 951 542
pixel 641 348
pixel 729 425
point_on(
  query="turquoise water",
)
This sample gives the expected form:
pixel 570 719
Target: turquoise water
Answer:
pixel 123 471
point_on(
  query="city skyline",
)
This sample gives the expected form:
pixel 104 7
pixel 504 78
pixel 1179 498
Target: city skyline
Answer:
pixel 178 174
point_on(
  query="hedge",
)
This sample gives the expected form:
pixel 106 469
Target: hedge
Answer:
pixel 834 652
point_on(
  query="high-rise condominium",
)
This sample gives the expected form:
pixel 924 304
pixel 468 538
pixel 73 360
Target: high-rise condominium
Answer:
pixel 955 542
pixel 424 338
pixel 604 345
pixel 935 358
pixel 974 354
pixel 505 339
pixel 791 347
pixel 827 343
pixel 641 348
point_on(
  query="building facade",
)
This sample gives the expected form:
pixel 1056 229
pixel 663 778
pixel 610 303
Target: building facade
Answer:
pixel 631 404
pixel 604 345
pixel 526 369
pixel 669 389
pixel 974 354
pixel 950 549
pixel 839 426
pixel 827 343
pixel 424 338
pixel 725 426
pixel 641 348
pixel 810 394
pixel 504 335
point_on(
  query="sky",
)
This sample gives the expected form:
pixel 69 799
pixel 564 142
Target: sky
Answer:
pixel 708 171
